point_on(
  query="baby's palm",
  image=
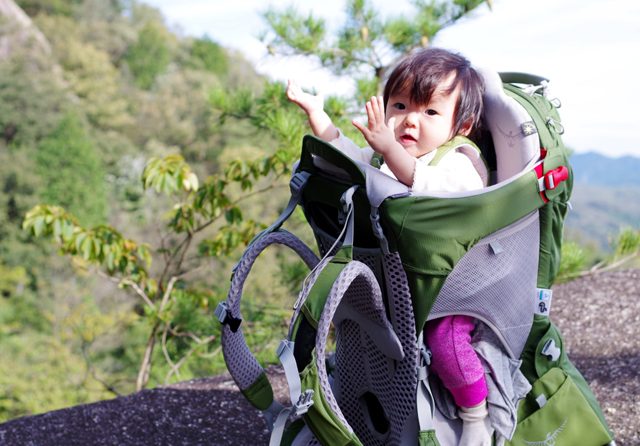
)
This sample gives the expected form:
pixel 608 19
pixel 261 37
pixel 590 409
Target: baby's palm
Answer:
pixel 378 133
pixel 307 101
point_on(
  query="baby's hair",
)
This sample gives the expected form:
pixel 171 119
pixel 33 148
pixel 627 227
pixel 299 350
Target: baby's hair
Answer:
pixel 422 71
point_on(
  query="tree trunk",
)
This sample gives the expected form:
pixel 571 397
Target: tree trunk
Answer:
pixel 145 366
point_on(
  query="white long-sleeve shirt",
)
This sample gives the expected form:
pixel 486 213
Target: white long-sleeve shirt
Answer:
pixel 462 169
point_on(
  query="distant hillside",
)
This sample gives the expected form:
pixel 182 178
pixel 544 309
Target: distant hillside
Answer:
pixel 595 169
pixel 606 197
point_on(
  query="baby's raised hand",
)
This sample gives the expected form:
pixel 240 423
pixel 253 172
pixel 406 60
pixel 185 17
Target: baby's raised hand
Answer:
pixel 306 101
pixel 378 133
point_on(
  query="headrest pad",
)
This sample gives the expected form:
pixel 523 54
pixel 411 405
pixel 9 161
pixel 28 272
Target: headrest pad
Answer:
pixel 505 117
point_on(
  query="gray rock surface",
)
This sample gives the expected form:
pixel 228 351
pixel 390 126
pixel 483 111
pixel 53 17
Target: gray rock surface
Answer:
pixel 598 316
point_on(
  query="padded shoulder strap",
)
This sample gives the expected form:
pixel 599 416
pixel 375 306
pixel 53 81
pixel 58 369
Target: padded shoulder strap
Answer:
pixel 453 144
pixel 243 366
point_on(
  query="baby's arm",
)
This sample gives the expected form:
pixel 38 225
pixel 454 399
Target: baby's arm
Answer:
pixel 313 106
pixel 381 137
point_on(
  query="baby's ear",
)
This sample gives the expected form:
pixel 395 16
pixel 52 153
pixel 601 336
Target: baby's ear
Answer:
pixel 465 130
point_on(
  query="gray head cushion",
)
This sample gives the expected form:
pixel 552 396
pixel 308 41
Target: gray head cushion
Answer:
pixel 505 118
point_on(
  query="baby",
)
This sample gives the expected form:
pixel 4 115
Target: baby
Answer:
pixel 432 103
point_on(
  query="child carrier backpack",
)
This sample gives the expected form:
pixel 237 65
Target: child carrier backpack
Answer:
pixel 391 260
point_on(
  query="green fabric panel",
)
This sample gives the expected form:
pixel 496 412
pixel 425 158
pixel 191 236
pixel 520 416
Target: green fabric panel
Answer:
pixel 432 234
pixel 326 427
pixel 535 365
pixel 428 438
pixel 260 393
pixel 565 419
pixel 551 229
pixel 445 148
pixel 423 285
pixel 540 326
pixel 318 294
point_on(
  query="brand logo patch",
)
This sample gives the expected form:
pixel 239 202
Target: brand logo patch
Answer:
pixel 543 301
pixel 551 438
pixel 528 128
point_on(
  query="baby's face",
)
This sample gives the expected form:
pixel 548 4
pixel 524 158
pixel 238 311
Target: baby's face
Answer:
pixel 422 128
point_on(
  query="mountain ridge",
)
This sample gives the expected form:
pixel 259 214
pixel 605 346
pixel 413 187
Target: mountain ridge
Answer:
pixel 597 169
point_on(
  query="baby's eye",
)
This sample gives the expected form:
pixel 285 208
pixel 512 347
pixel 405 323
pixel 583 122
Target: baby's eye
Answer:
pixel 431 112
pixel 399 106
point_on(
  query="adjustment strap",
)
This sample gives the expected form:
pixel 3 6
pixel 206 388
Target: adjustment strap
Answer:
pixel 424 398
pixel 297 184
pixel 279 425
pixel 300 402
pixel 285 354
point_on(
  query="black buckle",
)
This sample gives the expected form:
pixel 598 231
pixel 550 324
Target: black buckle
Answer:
pixel 224 316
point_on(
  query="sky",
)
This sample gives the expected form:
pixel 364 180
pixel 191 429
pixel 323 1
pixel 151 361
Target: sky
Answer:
pixel 589 50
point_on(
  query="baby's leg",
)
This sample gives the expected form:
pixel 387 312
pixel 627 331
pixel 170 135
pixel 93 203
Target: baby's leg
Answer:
pixel 461 371
pixel 454 359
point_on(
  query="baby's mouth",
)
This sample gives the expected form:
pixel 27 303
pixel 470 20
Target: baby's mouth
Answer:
pixel 406 139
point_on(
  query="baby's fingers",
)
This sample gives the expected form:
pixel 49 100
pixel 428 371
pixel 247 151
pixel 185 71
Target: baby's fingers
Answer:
pixel 378 107
pixel 364 130
pixel 293 89
pixel 371 115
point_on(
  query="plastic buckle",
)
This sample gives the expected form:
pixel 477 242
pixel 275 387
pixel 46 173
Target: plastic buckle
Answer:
pixel 224 316
pixel 555 177
pixel 305 401
pixel 550 350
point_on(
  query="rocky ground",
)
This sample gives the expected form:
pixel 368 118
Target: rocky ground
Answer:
pixel 598 316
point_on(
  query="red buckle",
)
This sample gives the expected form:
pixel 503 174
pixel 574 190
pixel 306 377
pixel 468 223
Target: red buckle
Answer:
pixel 555 177
pixel 551 179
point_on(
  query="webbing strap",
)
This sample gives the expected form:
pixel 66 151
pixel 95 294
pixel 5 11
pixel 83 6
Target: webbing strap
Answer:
pixel 285 354
pixel 376 227
pixel 300 402
pixel 297 183
pixel 424 398
pixel 278 426
pixel 346 236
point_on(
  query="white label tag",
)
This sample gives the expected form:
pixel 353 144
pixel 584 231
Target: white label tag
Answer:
pixel 543 301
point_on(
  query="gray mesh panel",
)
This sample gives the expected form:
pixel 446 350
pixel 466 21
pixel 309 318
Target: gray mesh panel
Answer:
pixel 356 286
pixel 497 287
pixel 362 367
pixel 242 365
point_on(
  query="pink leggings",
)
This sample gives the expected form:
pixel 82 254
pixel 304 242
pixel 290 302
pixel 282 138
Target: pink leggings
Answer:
pixel 455 361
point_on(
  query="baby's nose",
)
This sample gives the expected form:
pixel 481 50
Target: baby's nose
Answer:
pixel 410 119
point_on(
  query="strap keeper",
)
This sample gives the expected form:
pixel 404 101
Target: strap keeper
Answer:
pixel 224 316
pixel 376 227
pixel 298 181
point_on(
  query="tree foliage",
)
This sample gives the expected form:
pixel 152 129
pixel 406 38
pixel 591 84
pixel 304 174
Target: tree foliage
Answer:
pixel 149 55
pixel 365 46
pixel 211 56
pixel 68 164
